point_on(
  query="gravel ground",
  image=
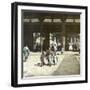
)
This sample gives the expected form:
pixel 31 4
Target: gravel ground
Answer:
pixel 68 64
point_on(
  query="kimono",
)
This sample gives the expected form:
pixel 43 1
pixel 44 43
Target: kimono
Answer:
pixel 26 53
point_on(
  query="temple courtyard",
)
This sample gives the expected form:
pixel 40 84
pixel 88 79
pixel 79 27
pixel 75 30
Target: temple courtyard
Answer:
pixel 68 64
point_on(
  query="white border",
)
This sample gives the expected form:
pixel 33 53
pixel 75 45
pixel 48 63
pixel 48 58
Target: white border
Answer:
pixel 82 46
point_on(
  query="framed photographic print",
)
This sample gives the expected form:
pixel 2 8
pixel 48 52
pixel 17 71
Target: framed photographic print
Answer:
pixel 49 44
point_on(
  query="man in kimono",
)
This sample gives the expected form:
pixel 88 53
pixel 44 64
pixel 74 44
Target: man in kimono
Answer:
pixel 26 53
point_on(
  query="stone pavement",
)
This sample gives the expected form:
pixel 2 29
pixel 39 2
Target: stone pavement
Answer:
pixel 68 64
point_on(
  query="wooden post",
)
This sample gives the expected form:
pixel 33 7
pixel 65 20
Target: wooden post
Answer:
pixel 63 31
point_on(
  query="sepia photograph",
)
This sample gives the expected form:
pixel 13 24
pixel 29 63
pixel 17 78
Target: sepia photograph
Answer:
pixel 49 44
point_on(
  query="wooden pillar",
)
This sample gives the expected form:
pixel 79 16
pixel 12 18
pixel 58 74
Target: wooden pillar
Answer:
pixel 44 39
pixel 63 32
pixel 41 28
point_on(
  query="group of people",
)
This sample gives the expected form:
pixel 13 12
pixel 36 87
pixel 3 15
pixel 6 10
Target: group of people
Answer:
pixel 49 57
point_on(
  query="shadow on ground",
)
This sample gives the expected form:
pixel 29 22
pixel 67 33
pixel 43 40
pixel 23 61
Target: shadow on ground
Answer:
pixel 69 66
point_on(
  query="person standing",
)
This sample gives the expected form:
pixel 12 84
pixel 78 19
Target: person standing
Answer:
pixel 26 53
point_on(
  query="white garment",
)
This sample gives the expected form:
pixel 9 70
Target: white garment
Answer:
pixel 70 47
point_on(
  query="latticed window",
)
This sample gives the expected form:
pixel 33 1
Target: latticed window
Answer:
pixel 57 20
pixel 26 20
pixel 34 20
pixel 47 20
pixel 69 20
pixel 77 20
